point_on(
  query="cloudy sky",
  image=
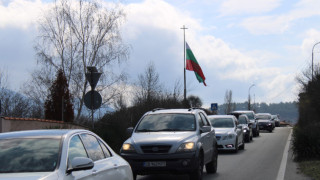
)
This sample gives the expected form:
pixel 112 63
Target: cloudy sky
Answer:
pixel 237 43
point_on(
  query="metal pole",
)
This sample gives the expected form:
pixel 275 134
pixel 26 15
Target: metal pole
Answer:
pixel 312 61
pixel 249 96
pixel 184 62
pixel 92 103
pixel 62 108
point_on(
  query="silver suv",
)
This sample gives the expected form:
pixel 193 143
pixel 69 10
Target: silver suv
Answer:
pixel 172 141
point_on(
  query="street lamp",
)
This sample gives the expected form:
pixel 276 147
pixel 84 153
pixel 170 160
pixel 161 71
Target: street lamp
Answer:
pixel 312 60
pixel 249 105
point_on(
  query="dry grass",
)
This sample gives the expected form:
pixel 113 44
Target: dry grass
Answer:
pixel 310 168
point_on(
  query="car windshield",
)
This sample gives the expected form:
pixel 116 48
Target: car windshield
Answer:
pixel 167 122
pixel 29 154
pixel 250 115
pixel 263 117
pixel 222 122
pixel 242 120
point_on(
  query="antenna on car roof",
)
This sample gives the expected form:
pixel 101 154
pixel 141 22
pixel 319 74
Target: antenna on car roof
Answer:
pixel 156 109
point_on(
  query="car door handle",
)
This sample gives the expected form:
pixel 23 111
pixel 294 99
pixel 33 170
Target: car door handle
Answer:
pixel 115 166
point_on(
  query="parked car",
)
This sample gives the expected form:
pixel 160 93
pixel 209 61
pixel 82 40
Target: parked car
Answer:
pixel 59 155
pixel 246 126
pixel 252 117
pixel 172 141
pixel 228 134
pixel 264 121
pixel 276 120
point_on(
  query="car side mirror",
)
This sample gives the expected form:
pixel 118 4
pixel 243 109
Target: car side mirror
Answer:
pixel 205 129
pixel 80 163
pixel 129 130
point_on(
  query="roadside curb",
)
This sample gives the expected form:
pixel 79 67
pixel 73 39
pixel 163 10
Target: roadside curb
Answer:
pixel 292 169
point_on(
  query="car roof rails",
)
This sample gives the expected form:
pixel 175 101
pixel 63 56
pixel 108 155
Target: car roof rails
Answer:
pixel 192 108
pixel 157 109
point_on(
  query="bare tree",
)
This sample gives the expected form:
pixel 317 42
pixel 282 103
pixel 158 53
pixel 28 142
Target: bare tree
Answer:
pixel 230 106
pixel 74 35
pixel 148 86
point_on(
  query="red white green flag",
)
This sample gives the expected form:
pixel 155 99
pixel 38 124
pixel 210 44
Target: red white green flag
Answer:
pixel 193 65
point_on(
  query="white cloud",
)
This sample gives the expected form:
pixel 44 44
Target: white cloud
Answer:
pixel 216 57
pixel 236 7
pixel 277 24
pixel 279 88
pixel 266 24
pixel 20 13
pixel 311 37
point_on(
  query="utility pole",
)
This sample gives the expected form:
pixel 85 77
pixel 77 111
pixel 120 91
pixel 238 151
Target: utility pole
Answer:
pixel 312 61
pixel 184 62
pixel 249 98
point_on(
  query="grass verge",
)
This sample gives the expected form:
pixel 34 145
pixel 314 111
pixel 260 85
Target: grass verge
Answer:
pixel 310 168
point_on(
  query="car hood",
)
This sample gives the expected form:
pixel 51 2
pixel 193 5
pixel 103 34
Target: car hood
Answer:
pixel 223 130
pixel 29 176
pixel 161 137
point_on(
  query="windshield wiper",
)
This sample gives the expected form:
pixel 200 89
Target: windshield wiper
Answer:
pixel 168 129
pixel 144 130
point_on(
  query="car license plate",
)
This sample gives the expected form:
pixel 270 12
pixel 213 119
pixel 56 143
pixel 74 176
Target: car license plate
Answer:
pixel 155 164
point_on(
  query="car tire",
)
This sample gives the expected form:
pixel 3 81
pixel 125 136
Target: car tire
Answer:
pixel 242 146
pixel 212 166
pixel 198 172
pixel 134 175
pixel 248 138
pixel 236 146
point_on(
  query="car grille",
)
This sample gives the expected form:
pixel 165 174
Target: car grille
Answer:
pixel 155 149
pixel 263 123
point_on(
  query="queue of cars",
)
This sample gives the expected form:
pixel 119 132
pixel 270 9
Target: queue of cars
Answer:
pixel 163 141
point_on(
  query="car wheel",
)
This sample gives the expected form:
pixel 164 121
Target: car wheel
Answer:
pixel 248 138
pixel 236 146
pixel 242 146
pixel 212 166
pixel 197 173
pixel 270 130
pixel 134 175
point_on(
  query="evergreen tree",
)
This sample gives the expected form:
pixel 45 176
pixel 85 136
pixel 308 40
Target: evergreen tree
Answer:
pixel 58 100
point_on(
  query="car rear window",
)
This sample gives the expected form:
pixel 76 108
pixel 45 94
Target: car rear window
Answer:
pixel 222 122
pixel 29 154
pixel 167 122
pixel 263 117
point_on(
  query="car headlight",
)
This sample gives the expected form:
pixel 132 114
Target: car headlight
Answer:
pixel 244 130
pixel 127 148
pixel 187 147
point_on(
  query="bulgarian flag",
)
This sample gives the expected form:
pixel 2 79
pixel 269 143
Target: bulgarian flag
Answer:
pixel 193 65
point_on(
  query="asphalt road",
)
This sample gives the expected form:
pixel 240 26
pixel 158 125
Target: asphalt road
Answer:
pixel 260 160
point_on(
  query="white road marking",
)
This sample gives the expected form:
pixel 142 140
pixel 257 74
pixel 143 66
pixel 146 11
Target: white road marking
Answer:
pixel 282 169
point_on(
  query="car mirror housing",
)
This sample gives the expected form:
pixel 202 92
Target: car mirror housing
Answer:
pixel 205 129
pixel 130 130
pixel 80 163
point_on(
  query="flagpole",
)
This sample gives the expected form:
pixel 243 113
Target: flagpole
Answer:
pixel 184 62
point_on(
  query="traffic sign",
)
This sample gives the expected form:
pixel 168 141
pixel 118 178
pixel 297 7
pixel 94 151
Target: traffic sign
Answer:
pixel 93 78
pixel 92 100
pixel 214 106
